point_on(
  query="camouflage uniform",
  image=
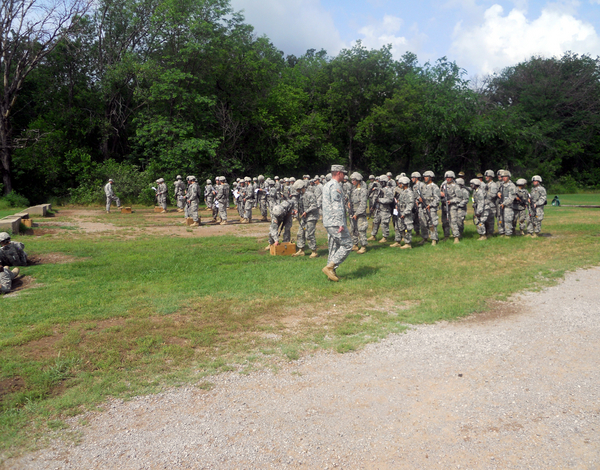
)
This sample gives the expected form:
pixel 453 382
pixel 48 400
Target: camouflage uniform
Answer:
pixel 6 279
pixel 262 198
pixel 222 198
pixel 273 196
pixel 429 218
pixel 358 200
pixel 318 191
pixel 179 194
pixel 505 222
pixel 482 209
pixel 161 194
pixel 307 202
pixel 110 196
pixel 281 214
pixel 13 254
pixel 491 195
pixel 454 197
pixel 522 212
pixel 538 201
pixel 209 198
pixel 416 188
pixel 404 221
pixel 334 217
pixel 462 208
pixel 193 197
pixel 248 196
pixel 383 216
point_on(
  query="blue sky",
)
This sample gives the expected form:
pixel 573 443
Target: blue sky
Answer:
pixel 482 36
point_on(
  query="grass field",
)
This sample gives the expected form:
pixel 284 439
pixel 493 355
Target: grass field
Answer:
pixel 131 311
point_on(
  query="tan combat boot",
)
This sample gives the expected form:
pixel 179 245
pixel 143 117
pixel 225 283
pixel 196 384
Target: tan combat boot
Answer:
pixel 16 271
pixel 300 252
pixel 355 248
pixel 363 250
pixel 243 221
pixel 264 219
pixel 372 238
pixel 482 237
pixel 268 248
pixel 456 240
pixel 195 224
pixel 433 242
pixel 163 211
pixel 408 246
pixel 395 244
pixel 534 235
pixel 314 254
pixel 383 240
pixel 180 210
pixel 223 222
pixel 329 271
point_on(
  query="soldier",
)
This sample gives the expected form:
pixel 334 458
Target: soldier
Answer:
pixel 318 190
pixel 272 194
pixel 538 200
pixel 481 208
pixel 451 197
pixel 11 253
pixel 390 182
pixel 110 196
pixel 429 200
pixel 521 207
pixel 417 187
pixel 186 212
pixel 179 193
pixel 192 198
pixel 383 199
pixel 254 188
pixel 405 202
pixel 222 199
pixel 308 215
pixel 462 205
pixel 506 196
pixel 491 194
pixel 371 183
pixel 282 217
pixel 248 200
pixel 291 191
pixel 161 194
pixel 261 195
pixel 239 197
pixel 357 206
pixel 347 186
pixel 209 199
pixel 498 185
pixel 6 278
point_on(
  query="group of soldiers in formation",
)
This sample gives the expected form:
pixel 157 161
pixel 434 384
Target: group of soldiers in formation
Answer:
pixel 410 204
pixel 11 254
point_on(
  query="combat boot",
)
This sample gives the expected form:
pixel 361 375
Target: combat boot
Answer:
pixel 195 224
pixel 300 252
pixel 408 246
pixel 534 235
pixel 243 221
pixel 372 238
pixel 179 210
pixel 433 242
pixel 163 211
pixel 314 254
pixel 264 219
pixel 445 239
pixel 363 250
pixel 329 271
pixel 268 248
pixel 481 238
pixel 355 248
pixel 16 271
pixel 383 240
pixel 456 240
pixel 394 245
pixel 223 222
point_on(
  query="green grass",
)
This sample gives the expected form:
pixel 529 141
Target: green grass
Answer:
pixel 133 315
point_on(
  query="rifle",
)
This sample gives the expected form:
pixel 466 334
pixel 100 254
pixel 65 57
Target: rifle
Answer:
pixel 427 211
pixel 529 207
pixel 375 207
pixel 445 198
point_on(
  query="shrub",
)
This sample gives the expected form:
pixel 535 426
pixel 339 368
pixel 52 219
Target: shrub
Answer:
pixel 14 199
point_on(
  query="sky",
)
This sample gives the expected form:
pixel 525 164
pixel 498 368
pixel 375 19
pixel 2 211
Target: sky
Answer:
pixel 481 36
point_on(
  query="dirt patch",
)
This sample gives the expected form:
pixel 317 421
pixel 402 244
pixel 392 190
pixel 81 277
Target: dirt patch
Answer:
pixel 497 311
pixel 22 283
pixel 51 258
pixel 12 385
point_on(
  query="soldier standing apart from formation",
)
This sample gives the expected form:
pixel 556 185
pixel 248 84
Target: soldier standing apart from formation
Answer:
pixel 179 193
pixel 538 201
pixel 282 217
pixel 334 221
pixel 222 197
pixel 481 208
pixel 506 196
pixel 192 198
pixel 404 220
pixel 358 208
pixel 429 201
pixel 248 196
pixel 450 192
pixel 308 215
pixel 161 194
pixel 491 196
pixel 462 205
pixel 522 208
pixel 110 196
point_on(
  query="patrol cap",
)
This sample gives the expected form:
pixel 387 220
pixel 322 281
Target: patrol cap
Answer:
pixel 4 236
pixel 404 180
pixel 356 176
pixel 489 173
pixel 475 182
pixel 429 173
pixel 341 168
pixel 537 178
pixel 415 174
pixel 479 175
pixel 449 174
pixel 462 173
pixel 383 178
pixel 298 185
pixel 178 177
pixel 371 177
pixel 521 182
pixel 460 181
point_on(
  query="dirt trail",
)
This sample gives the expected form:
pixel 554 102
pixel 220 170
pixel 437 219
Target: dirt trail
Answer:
pixel 519 389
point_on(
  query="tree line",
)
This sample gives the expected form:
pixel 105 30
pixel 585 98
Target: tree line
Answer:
pixel 141 89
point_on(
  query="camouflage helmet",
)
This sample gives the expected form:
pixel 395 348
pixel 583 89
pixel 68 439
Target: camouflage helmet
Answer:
pixel 404 180
pixel 255 179
pixel 537 178
pixel 429 173
pixel 449 174
pixel 489 173
pixel 261 178
pixel 285 180
pixel 328 176
pixel 110 180
pixel 247 179
pixel 402 175
pixel 192 178
pixel 475 182
pixel 178 177
pixel 277 210
pixel 371 177
pixel 389 174
pixel 276 177
pixel 460 181
pixel 223 179
pixel 208 182
pixel 415 174
pixel 499 172
pixel 505 173
pixel 298 185
pixel 292 179
pixel 237 179
pixel 479 175
pixel 4 236
pixel 521 182
pixel 356 176
pixel 398 177
pixel 384 178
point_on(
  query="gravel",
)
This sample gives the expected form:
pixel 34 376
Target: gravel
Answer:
pixel 517 388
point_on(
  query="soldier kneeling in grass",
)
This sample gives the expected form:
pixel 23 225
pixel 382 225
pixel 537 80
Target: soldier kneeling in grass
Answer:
pixel 6 279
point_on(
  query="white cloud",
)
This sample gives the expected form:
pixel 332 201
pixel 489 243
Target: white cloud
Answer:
pixel 501 41
pixel 294 26
pixel 379 34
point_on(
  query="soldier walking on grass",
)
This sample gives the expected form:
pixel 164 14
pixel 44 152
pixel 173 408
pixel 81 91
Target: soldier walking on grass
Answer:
pixel 334 221
pixel 110 196
pixel 538 200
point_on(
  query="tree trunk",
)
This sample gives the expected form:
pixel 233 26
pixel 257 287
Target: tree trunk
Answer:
pixel 5 155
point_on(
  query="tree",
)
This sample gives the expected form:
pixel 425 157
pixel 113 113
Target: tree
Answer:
pixel 29 31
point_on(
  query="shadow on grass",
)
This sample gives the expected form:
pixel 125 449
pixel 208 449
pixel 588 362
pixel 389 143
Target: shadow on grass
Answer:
pixel 363 271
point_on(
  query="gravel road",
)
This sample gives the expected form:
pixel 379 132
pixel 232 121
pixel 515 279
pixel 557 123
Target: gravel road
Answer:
pixel 515 388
